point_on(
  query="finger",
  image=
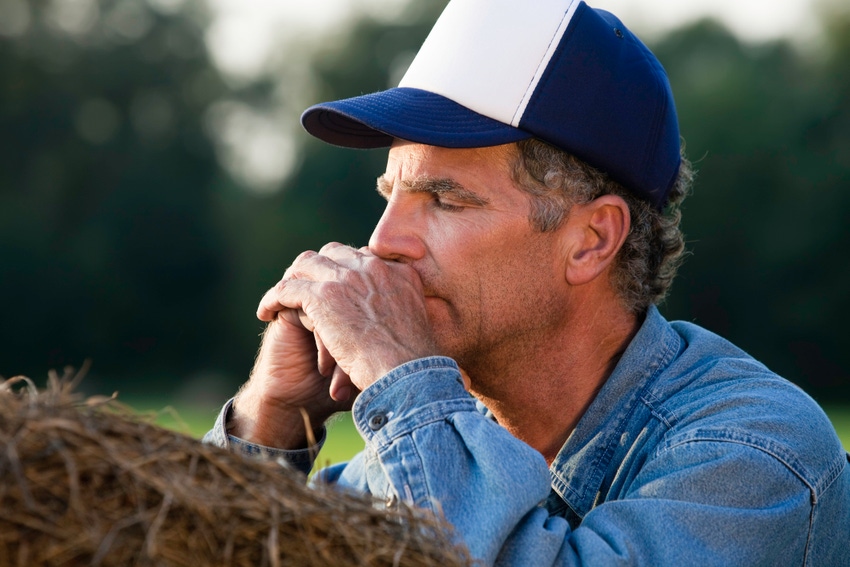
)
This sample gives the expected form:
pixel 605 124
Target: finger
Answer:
pixel 291 271
pixel 279 299
pixel 322 266
pixel 296 317
pixel 310 266
pixel 341 386
pixel 270 306
pixel 363 258
pixel 326 362
pixel 332 249
pixel 346 256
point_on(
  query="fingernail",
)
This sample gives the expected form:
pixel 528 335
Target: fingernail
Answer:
pixel 341 394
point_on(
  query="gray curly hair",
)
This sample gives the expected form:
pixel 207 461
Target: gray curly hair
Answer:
pixel 654 248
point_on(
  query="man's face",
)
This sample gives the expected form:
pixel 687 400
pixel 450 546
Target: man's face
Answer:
pixel 493 284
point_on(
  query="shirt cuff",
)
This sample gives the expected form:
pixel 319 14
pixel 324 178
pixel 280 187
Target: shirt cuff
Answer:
pixel 299 459
pixel 410 396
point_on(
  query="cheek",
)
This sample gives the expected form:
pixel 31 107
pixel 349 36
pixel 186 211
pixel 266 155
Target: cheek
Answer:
pixel 522 275
pixel 454 256
pixel 479 264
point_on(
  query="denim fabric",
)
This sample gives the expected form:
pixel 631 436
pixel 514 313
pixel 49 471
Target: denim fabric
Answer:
pixel 692 453
pixel 301 460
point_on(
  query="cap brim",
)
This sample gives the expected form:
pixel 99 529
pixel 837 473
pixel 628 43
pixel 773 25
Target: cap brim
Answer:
pixel 375 120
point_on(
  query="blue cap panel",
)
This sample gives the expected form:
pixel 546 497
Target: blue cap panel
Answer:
pixel 606 99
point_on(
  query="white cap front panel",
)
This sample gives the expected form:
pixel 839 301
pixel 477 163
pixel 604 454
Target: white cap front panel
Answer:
pixel 488 55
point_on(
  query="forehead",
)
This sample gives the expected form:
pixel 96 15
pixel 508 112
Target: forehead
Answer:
pixel 476 169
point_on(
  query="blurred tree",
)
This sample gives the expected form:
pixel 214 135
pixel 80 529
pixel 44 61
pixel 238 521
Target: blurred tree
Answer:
pixel 121 238
pixel 767 127
pixel 128 236
pixel 108 244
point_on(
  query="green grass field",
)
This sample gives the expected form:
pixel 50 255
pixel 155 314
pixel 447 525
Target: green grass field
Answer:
pixel 343 440
pixel 840 416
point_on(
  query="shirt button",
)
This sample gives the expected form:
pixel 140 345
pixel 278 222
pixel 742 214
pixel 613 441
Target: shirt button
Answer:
pixel 377 421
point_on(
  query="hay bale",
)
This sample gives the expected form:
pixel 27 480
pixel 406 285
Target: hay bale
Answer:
pixel 86 482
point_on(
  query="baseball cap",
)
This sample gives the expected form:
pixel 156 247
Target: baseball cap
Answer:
pixel 498 71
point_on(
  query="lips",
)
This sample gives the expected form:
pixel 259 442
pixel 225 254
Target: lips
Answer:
pixel 431 294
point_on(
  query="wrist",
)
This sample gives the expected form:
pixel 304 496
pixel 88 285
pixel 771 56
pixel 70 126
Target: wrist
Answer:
pixel 270 426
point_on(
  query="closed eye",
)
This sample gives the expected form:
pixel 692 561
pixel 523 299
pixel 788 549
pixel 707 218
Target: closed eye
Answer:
pixel 447 194
pixel 445 205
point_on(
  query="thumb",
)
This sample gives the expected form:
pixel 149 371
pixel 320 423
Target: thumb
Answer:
pixel 297 317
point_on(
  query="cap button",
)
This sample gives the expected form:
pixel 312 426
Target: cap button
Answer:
pixel 377 421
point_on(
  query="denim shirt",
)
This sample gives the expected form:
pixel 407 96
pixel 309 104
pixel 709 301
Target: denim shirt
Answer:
pixel 692 453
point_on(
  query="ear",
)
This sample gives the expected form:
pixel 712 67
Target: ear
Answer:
pixel 598 230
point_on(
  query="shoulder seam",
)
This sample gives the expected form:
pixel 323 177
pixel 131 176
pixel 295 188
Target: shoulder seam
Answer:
pixel 767 446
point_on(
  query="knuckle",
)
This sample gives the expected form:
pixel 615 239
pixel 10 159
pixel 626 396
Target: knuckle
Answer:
pixel 330 246
pixel 371 264
pixel 354 282
pixel 304 256
pixel 328 290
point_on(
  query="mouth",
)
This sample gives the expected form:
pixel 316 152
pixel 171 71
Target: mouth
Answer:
pixel 431 297
pixel 431 294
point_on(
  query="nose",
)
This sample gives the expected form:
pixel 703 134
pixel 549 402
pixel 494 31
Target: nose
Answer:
pixel 399 235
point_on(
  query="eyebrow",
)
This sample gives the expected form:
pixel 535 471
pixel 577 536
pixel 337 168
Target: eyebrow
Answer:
pixel 436 186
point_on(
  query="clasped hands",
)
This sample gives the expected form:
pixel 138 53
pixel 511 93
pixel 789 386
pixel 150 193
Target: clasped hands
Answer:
pixel 338 320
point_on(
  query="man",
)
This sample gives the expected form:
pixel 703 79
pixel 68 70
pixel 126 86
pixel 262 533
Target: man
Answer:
pixel 532 187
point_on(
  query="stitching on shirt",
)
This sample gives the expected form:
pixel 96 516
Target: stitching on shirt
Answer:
pixel 766 446
pixel 416 491
pixel 418 418
pixel 774 450
pixel 818 485
pixel 404 371
pixel 661 413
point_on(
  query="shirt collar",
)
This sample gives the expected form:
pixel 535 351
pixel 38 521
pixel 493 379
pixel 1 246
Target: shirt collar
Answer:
pixel 583 462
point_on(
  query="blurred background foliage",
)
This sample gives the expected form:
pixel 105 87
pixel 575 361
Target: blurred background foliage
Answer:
pixel 147 199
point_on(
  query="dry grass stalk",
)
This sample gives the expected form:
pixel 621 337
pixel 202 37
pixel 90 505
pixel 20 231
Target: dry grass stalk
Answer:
pixel 86 482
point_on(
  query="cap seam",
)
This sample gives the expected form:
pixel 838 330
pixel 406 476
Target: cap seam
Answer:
pixel 529 90
pixel 547 75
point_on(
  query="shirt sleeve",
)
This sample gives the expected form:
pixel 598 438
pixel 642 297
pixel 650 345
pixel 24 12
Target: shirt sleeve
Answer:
pixel 695 503
pixel 430 446
pixel 300 459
